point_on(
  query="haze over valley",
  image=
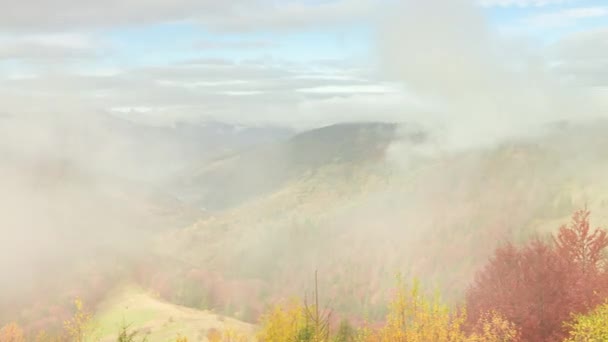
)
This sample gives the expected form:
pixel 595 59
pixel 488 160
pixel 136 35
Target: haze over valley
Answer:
pixel 341 170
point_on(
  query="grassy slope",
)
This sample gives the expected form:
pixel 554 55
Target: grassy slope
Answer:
pixel 161 320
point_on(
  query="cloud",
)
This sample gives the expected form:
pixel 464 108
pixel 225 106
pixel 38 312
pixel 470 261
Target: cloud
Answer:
pixel 49 47
pixel 234 15
pixel 486 87
pixel 70 14
pixel 566 17
pixel 234 44
pixel 521 3
pixel 443 53
pixel 291 15
pixel 351 89
pixel 207 61
pixel 581 58
pixel 274 92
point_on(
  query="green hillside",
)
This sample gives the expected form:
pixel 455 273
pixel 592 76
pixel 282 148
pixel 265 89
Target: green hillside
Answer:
pixel 157 319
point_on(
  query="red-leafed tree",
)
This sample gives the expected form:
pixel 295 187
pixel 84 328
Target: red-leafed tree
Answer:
pixel 581 246
pixel 538 286
pixel 524 285
pixel 583 251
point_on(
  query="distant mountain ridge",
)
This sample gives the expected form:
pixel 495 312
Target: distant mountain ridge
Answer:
pixel 113 145
pixel 262 169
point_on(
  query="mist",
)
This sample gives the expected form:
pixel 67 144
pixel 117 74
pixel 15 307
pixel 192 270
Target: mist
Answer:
pixel 483 85
pixel 70 197
pixel 214 176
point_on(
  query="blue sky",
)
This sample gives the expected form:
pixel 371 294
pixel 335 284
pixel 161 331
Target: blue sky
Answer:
pixel 172 42
pixel 548 23
pixel 296 62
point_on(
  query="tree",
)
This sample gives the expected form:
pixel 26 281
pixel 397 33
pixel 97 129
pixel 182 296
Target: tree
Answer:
pixel 539 285
pixel 582 250
pixel 317 320
pixel 181 338
pixel 283 323
pixel 591 327
pixel 11 332
pixel 581 246
pixel 296 322
pixel 345 333
pixel 214 335
pixel 415 317
pixel 78 328
pixel 527 286
pixel 493 327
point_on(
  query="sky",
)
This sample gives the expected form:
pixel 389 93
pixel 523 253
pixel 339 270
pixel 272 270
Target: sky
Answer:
pixel 301 63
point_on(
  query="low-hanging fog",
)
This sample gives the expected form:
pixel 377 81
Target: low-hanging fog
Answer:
pixel 256 162
pixel 482 84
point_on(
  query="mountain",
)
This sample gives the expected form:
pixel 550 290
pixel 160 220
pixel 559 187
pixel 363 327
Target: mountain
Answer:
pixel 360 203
pixel 181 143
pixel 103 143
pixel 234 178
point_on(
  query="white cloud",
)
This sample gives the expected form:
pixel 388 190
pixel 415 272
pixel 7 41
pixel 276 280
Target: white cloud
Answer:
pixel 582 58
pixel 250 92
pixel 352 89
pixel 462 67
pixel 566 17
pixel 521 3
pixel 49 46
pixel 291 14
pixel 486 86
pixel 233 15
pixel 234 44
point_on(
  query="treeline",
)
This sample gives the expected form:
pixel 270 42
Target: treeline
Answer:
pixel 549 290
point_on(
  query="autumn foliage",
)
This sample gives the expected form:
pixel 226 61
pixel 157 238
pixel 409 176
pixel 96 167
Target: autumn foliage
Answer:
pixel 284 323
pixel 416 317
pixel 540 285
pixel 590 327
pixel 493 327
pixel 78 328
pixel 581 249
pixel 553 289
pixel 11 332
pixel 524 293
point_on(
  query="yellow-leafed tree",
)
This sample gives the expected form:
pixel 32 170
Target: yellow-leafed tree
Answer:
pixel 79 328
pixel 591 327
pixel 181 338
pixel 296 323
pixel 284 323
pixel 493 327
pixel 413 317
